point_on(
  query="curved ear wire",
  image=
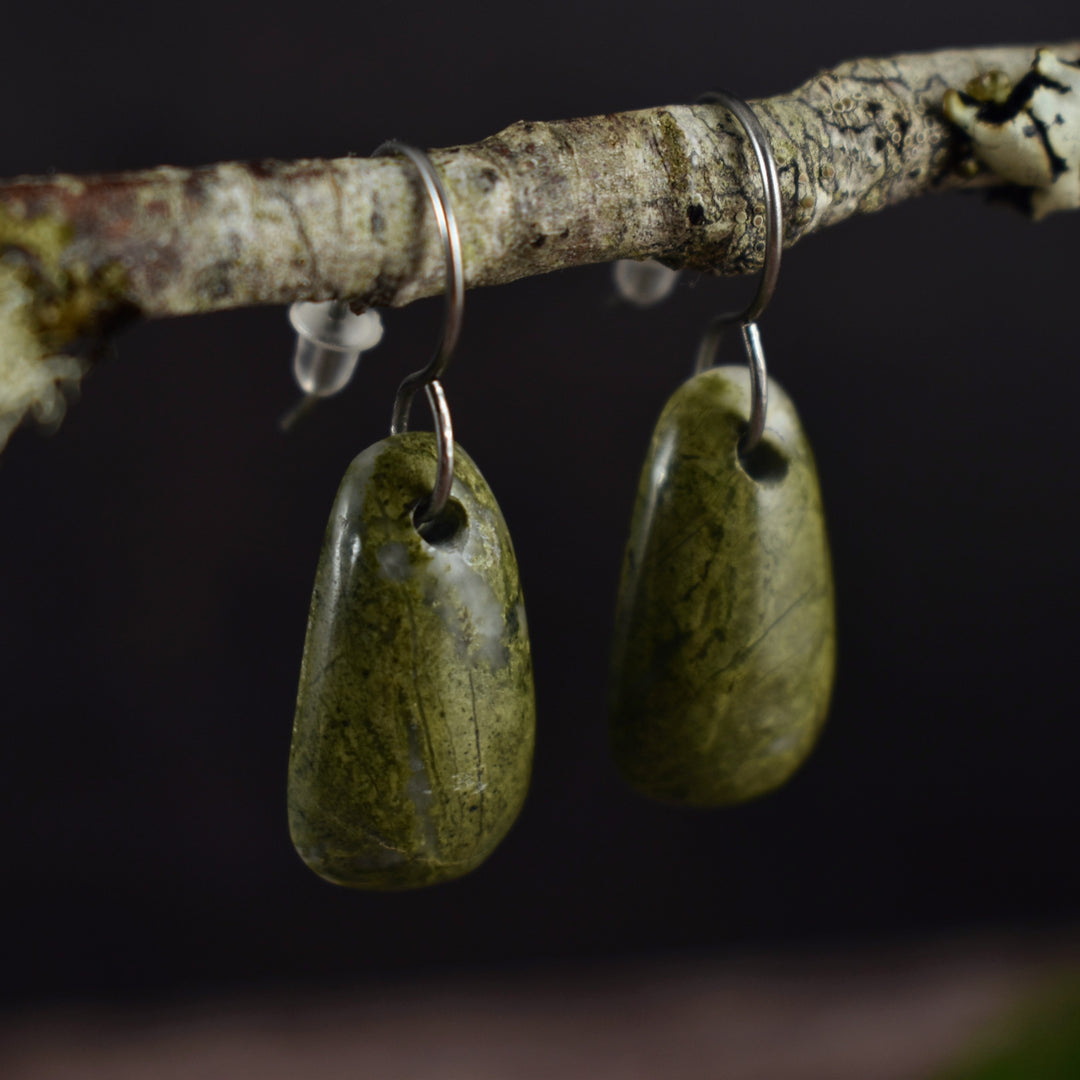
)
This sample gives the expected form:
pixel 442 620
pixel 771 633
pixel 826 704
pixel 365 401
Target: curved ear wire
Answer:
pixel 429 377
pixel 770 271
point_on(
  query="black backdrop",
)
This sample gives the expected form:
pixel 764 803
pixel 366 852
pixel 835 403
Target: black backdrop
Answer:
pixel 156 555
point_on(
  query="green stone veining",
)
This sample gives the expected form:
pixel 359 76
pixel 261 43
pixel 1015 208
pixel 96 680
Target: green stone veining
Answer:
pixel 724 647
pixel 413 739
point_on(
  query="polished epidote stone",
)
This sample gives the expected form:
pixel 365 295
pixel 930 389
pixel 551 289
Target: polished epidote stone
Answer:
pixel 413 737
pixel 725 636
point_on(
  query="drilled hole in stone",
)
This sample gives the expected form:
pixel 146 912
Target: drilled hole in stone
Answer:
pixel 447 529
pixel 765 463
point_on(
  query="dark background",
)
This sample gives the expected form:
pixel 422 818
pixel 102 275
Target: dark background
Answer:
pixel 156 555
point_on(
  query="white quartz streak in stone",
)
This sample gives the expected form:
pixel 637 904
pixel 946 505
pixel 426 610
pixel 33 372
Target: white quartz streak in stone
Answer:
pixel 466 571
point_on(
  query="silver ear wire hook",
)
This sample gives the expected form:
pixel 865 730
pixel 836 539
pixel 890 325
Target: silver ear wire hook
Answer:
pixel 774 246
pixel 429 377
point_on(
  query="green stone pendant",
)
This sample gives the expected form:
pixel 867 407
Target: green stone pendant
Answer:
pixel 724 630
pixel 413 738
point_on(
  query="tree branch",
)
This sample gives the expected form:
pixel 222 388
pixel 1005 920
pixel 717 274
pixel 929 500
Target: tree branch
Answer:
pixel 676 183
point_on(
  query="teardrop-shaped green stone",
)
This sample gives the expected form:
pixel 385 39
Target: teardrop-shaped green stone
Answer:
pixel 724 645
pixel 413 737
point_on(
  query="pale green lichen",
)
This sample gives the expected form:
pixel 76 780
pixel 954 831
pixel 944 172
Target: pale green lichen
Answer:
pixel 1028 134
pixel 31 378
pixel 47 301
pixel 992 85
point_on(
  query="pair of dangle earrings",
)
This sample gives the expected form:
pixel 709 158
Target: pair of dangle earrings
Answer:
pixel 413 737
pixel 724 645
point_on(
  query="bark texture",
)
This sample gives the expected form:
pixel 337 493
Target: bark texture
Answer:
pixel 677 183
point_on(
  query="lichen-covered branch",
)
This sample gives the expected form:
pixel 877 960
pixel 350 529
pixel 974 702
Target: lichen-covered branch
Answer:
pixel 676 183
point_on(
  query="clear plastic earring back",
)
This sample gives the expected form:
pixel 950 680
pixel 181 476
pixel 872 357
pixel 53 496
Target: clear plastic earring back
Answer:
pixel 643 282
pixel 329 341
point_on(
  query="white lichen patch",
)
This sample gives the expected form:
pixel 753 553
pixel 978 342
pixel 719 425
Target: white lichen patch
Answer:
pixel 31 380
pixel 1031 136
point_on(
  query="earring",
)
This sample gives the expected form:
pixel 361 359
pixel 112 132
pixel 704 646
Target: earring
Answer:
pixel 413 738
pixel 724 648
